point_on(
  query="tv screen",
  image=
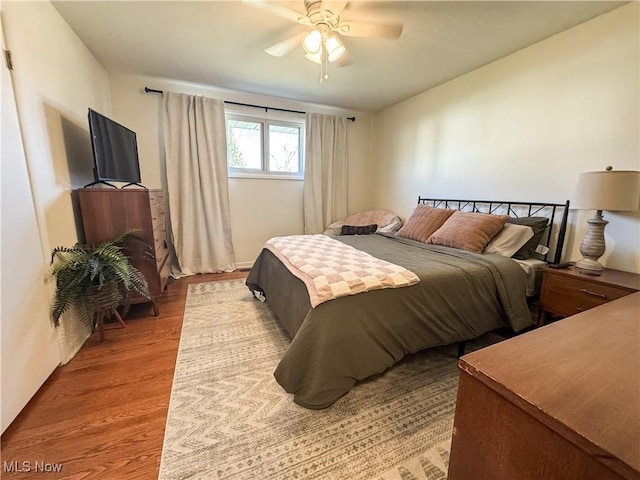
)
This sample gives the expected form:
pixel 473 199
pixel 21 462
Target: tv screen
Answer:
pixel 115 150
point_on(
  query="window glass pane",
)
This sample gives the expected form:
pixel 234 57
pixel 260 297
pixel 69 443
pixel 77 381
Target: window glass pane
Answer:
pixel 244 144
pixel 284 154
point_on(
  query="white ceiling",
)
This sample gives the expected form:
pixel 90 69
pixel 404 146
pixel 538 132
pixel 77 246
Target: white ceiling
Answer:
pixel 221 43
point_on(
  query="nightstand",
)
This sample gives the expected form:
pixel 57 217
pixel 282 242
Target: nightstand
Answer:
pixel 565 291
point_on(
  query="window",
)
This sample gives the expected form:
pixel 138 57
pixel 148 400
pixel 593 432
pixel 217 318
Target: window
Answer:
pixel 264 146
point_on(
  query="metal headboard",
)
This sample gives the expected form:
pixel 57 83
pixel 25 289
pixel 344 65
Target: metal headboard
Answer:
pixel 556 231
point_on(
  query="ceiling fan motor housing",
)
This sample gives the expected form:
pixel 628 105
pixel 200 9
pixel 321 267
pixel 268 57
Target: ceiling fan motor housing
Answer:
pixel 320 18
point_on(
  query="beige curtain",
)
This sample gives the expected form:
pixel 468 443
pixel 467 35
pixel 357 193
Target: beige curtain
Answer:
pixel 326 171
pixel 197 180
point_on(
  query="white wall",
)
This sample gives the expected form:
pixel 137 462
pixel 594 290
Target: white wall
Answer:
pixel 260 208
pixel 523 128
pixel 55 80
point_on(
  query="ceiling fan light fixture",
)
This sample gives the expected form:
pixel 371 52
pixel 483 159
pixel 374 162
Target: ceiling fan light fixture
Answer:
pixel 322 41
pixel 312 42
pixel 335 48
pixel 314 58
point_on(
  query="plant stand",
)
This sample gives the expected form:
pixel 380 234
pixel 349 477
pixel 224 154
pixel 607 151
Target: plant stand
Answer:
pixel 100 321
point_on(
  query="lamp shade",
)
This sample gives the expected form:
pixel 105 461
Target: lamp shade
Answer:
pixel 314 58
pixel 312 42
pixel 614 191
pixel 335 48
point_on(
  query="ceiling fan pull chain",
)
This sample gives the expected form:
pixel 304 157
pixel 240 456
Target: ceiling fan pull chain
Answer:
pixel 324 67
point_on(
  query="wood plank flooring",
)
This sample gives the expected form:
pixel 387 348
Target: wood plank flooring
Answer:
pixel 102 416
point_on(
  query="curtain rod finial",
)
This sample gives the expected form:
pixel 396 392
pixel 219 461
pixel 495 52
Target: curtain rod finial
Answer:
pixel 151 90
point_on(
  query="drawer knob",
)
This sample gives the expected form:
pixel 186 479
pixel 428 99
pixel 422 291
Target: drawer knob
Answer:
pixel 595 294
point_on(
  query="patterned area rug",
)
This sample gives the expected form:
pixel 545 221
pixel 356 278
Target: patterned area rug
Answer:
pixel 229 419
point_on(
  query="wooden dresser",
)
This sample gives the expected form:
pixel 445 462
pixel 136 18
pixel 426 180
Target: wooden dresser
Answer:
pixel 106 212
pixel 566 291
pixel 561 402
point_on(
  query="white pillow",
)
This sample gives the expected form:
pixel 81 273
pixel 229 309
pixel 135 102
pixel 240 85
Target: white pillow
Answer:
pixel 509 240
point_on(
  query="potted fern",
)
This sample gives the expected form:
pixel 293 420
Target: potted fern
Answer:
pixel 95 280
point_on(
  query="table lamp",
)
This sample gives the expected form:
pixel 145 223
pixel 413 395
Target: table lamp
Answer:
pixel 615 191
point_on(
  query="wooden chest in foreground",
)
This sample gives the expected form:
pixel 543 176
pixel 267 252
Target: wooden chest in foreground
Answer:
pixel 561 402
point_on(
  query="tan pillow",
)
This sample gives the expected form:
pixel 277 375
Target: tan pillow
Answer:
pixel 468 231
pixel 386 221
pixel 423 222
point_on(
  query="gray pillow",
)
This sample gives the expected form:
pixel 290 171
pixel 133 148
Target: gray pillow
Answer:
pixel 358 229
pixel 538 225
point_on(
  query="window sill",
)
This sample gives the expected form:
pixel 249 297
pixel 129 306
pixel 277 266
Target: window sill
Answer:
pixel 263 176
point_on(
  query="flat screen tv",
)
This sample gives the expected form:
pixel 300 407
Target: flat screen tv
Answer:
pixel 115 151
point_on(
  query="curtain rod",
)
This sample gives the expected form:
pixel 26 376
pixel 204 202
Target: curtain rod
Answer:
pixel 161 92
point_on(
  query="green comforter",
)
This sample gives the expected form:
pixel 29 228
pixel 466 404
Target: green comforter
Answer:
pixel 460 296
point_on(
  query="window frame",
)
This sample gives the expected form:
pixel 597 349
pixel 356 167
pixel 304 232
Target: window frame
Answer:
pixel 266 120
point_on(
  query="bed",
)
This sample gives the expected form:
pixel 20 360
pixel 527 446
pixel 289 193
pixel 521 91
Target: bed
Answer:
pixel 460 295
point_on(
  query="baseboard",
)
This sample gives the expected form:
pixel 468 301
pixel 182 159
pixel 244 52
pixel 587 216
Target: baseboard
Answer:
pixel 244 265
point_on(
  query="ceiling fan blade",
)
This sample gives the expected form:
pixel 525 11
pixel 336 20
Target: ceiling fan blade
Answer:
pixel 370 29
pixel 283 11
pixel 282 48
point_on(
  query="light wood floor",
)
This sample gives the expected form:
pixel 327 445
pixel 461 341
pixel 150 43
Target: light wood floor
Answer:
pixel 102 416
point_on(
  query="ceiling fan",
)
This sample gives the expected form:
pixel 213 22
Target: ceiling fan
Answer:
pixel 322 43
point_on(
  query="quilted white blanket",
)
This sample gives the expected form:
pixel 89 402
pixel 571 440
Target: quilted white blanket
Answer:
pixel 331 269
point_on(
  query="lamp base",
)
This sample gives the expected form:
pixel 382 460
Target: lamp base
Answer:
pixel 589 266
pixel 592 246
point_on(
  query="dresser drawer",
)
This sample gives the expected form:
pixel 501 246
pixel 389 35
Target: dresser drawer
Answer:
pixel 567 296
pixel 157 215
pixel 164 273
pixel 162 254
pixel 160 237
pixel 156 204
pixel 156 197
